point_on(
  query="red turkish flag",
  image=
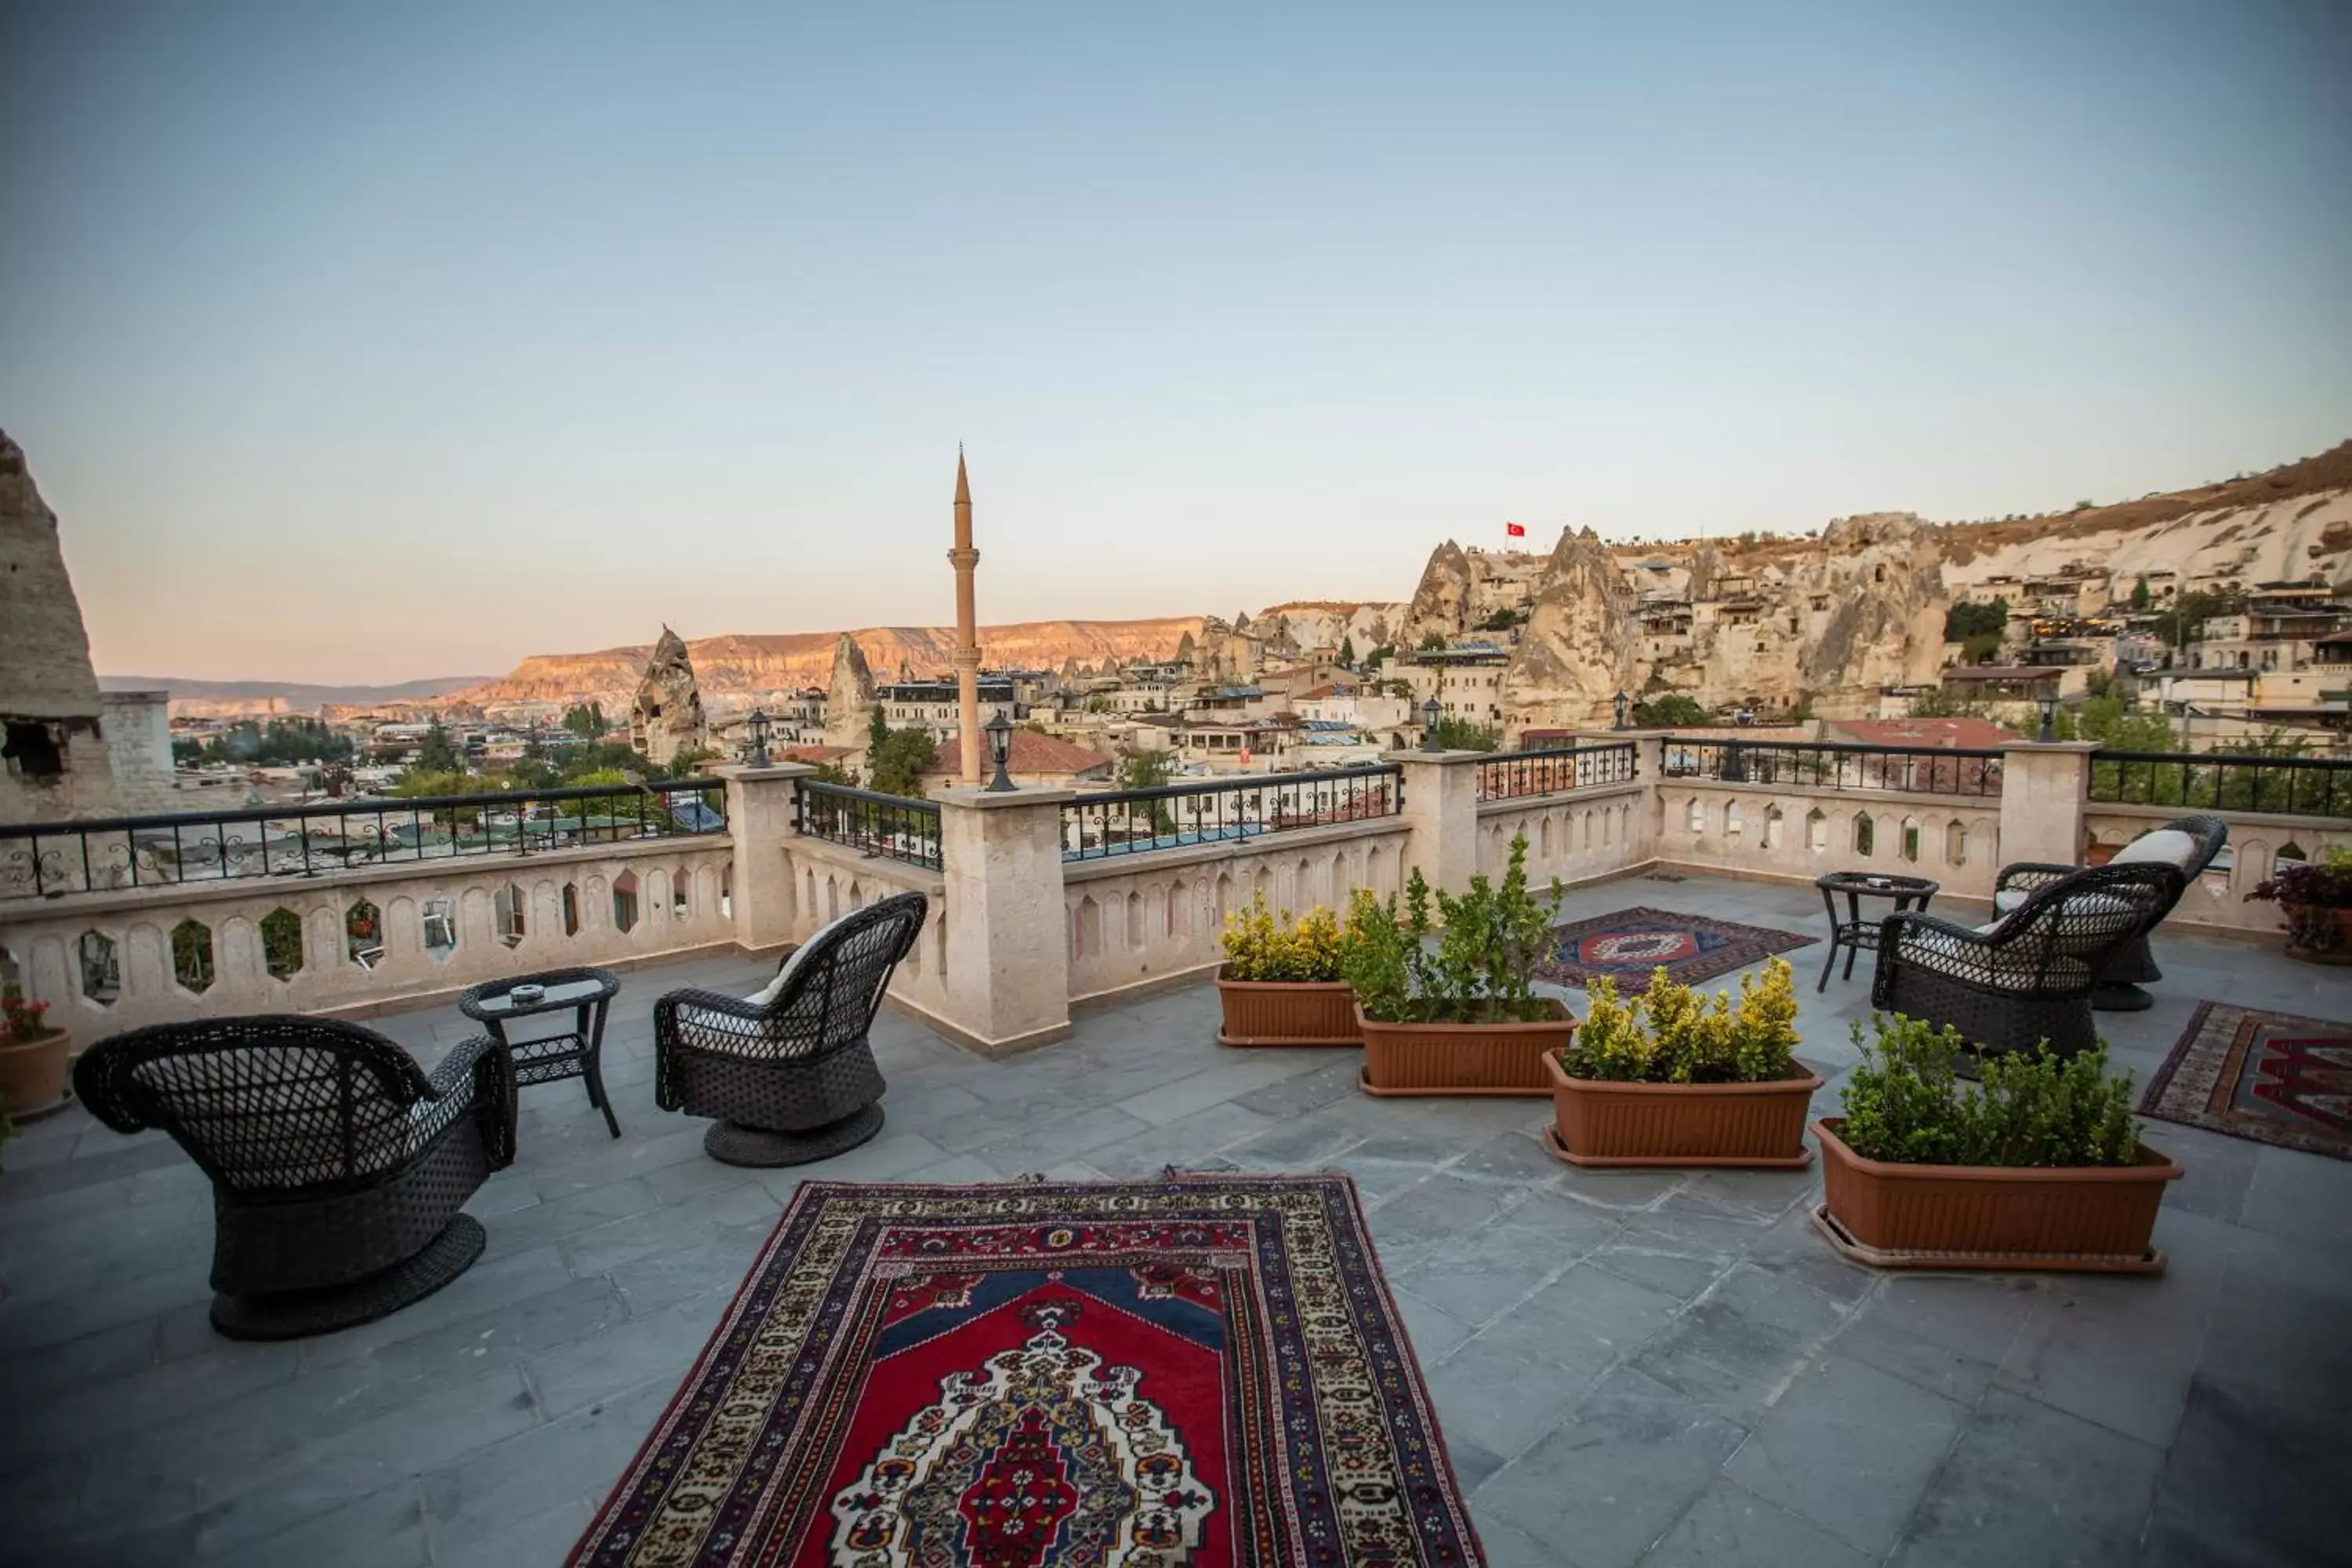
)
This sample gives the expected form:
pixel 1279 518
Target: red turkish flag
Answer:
pixel 1515 531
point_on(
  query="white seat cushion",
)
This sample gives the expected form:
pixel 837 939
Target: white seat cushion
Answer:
pixel 747 1027
pixel 2008 899
pixel 2165 846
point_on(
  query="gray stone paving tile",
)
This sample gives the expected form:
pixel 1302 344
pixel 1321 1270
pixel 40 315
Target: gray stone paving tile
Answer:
pixel 1433 1332
pixel 1850 1448
pixel 510 1481
pixel 1731 1527
pixel 2264 1478
pixel 383 1530
pixel 961 1168
pixel 1197 1092
pixel 545 1537
pixel 484 1288
pixel 608 1247
pixel 1385 1165
pixel 93 1413
pixel 162 1546
pixel 2301 1195
pixel 1875 1342
pixel 2216 1172
pixel 890 1155
pixel 1041 1147
pixel 555 1218
pixel 1502 1402
pixel 1584 1321
pixel 1183 1143
pixel 717 1261
pixel 1611 1480
pixel 1510 1547
pixel 2027 1484
pixel 1308 1142
pixel 1308 1091
pixel 2120 1350
pixel 1737 1348
pixel 662 1344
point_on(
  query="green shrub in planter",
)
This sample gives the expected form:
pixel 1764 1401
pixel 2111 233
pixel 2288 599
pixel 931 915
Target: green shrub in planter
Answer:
pixel 1906 1105
pixel 1482 969
pixel 1669 1034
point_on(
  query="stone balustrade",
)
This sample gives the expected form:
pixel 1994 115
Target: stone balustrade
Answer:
pixel 1019 933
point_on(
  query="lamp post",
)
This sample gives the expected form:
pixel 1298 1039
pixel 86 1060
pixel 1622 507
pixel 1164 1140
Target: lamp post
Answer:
pixel 1620 702
pixel 2048 702
pixel 998 731
pixel 757 724
pixel 1429 740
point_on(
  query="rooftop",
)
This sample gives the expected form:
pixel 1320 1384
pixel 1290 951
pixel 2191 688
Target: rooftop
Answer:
pixel 1661 1366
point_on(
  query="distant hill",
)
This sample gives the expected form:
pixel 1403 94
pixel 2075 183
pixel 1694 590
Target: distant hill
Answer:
pixel 295 696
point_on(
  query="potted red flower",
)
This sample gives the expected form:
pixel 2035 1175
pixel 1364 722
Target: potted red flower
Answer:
pixel 33 1054
pixel 2315 896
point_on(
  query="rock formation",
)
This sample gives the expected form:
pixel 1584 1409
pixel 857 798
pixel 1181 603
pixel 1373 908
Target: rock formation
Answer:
pixel 56 764
pixel 1574 653
pixel 666 718
pixel 849 697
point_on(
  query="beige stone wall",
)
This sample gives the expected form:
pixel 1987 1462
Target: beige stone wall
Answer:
pixel 1133 920
pixel 828 881
pixel 2218 899
pixel 1578 836
pixel 1732 828
pixel 682 903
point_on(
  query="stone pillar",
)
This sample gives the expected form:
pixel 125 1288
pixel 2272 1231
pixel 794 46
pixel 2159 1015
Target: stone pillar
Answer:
pixel 1650 768
pixel 2042 792
pixel 1008 962
pixel 759 820
pixel 1440 811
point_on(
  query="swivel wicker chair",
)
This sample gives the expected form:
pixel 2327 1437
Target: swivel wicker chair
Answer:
pixel 788 1073
pixel 2028 977
pixel 2188 844
pixel 338 1165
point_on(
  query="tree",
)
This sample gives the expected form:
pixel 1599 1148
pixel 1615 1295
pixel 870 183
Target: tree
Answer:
pixel 1938 703
pixel 1398 689
pixel 1674 709
pixel 1966 620
pixel 1098 703
pixel 878 728
pixel 1433 642
pixel 2190 611
pixel 1348 651
pixel 586 721
pixel 895 763
pixel 1503 621
pixel 1379 656
pixel 1146 770
pixel 2139 599
pixel 1467 735
pixel 1979 647
pixel 434 755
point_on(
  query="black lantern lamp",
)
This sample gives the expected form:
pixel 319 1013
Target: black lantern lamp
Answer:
pixel 1429 740
pixel 999 731
pixel 2047 701
pixel 757 724
pixel 1620 702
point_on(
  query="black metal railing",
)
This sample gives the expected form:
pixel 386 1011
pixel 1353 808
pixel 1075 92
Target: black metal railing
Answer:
pixel 1172 816
pixel 895 826
pixel 102 854
pixel 1836 765
pixel 1510 774
pixel 2224 781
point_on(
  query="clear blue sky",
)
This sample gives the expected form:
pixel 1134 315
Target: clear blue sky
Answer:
pixel 371 341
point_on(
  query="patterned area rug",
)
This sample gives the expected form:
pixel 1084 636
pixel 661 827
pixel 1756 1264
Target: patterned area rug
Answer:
pixel 1627 945
pixel 1201 1372
pixel 2271 1077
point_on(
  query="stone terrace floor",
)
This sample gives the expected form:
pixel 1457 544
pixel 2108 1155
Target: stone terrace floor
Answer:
pixel 1630 1367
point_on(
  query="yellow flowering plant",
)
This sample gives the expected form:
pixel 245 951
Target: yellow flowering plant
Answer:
pixel 1262 944
pixel 1670 1034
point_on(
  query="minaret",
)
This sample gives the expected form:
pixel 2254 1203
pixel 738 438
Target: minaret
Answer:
pixel 963 558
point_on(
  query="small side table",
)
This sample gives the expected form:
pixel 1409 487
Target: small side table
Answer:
pixel 1855 934
pixel 578 1052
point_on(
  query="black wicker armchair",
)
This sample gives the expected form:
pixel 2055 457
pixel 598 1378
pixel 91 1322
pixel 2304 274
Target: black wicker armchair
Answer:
pixel 2188 844
pixel 2028 977
pixel 789 1075
pixel 338 1164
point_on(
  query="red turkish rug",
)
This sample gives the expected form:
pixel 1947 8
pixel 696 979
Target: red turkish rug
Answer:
pixel 1628 945
pixel 1193 1372
pixel 2274 1078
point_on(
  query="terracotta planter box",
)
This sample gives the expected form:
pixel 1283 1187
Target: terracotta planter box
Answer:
pixel 2343 953
pixel 1599 1122
pixel 1286 1013
pixel 1461 1058
pixel 2093 1219
pixel 33 1076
